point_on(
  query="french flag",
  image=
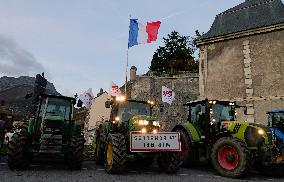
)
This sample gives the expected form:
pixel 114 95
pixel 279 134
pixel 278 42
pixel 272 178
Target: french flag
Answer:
pixel 140 33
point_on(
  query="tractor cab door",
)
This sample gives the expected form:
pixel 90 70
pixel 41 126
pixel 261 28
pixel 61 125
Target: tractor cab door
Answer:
pixel 199 119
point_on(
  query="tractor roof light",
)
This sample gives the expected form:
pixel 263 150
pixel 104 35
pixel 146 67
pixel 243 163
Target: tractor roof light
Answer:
pixel 120 98
pixel 231 103
pixel 212 101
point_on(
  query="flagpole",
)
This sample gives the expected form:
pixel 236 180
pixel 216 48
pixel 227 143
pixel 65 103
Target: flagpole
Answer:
pixel 126 70
pixel 126 65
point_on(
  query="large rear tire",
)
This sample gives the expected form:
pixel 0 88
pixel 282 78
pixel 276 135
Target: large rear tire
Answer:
pixel 230 157
pixel 75 153
pixel 115 153
pixel 169 162
pixel 18 151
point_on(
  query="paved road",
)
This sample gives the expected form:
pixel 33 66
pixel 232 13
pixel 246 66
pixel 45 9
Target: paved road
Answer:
pixel 56 171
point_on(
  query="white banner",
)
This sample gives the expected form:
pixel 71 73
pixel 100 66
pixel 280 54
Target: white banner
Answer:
pixel 167 95
pixel 87 98
pixel 151 142
pixel 114 90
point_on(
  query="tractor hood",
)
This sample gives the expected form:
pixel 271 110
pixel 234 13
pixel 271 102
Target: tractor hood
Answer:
pixel 254 134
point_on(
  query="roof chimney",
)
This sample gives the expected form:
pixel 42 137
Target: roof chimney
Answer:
pixel 133 70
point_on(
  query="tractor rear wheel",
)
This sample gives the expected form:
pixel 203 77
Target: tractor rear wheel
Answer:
pixel 115 153
pixel 169 162
pixel 99 147
pixel 18 151
pixel 187 152
pixel 230 157
pixel 75 152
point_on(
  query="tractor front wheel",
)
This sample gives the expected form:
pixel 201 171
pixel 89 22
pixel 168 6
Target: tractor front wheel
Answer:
pixel 169 162
pixel 115 153
pixel 230 157
pixel 18 151
pixel 75 152
pixel 187 152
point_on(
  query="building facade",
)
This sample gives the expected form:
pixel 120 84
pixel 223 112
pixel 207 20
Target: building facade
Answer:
pixel 242 58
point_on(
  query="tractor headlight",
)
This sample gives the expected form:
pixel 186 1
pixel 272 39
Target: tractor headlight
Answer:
pixel 156 123
pixel 260 131
pixel 143 130
pixel 143 122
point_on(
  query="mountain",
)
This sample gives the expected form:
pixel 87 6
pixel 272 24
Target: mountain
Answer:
pixel 13 92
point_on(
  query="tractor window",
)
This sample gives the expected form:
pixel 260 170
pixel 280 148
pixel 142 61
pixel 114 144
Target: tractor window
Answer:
pixel 59 107
pixel 129 109
pixel 197 114
pixel 276 120
pixel 222 113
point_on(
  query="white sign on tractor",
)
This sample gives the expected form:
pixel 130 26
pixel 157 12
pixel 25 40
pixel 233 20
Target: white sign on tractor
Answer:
pixel 153 142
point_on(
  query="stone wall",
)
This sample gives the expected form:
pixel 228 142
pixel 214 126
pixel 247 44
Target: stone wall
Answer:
pixel 250 68
pixel 150 87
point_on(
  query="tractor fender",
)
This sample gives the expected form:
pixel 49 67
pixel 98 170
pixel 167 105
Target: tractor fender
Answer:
pixel 221 134
pixel 190 130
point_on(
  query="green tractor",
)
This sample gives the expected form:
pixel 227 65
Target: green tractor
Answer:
pixel 51 132
pixel 133 132
pixel 212 134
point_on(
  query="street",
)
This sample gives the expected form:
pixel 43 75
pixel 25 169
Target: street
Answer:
pixel 43 171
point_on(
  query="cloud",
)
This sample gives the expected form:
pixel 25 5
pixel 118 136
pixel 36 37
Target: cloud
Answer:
pixel 16 61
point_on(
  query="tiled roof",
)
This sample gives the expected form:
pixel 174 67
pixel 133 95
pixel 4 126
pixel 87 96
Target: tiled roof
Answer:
pixel 248 15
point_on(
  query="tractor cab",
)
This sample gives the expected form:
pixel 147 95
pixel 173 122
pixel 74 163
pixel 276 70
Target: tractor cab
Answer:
pixel 53 115
pixel 210 116
pixel 276 122
pixel 129 108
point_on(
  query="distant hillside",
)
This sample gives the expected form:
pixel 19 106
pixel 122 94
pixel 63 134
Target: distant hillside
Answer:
pixel 13 92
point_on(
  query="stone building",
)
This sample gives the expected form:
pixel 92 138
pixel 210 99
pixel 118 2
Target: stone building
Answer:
pixel 242 57
pixel 150 87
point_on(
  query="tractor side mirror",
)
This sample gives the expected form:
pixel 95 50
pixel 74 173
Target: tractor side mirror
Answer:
pixel 108 103
pixel 79 103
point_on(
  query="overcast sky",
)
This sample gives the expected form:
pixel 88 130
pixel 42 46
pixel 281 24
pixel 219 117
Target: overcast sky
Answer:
pixel 82 44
